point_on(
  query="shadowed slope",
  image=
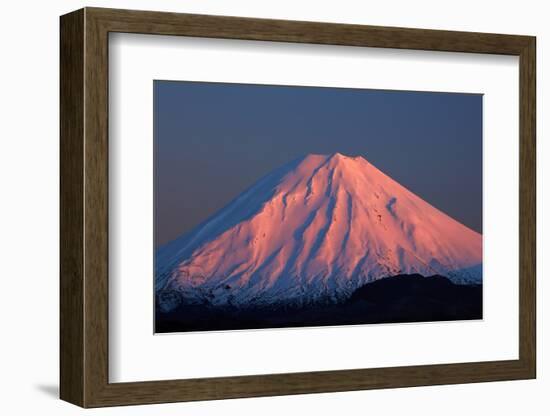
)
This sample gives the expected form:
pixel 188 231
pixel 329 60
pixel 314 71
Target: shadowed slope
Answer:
pixel 404 298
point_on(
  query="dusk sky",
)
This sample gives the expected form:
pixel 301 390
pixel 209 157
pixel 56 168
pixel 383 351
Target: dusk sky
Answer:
pixel 214 140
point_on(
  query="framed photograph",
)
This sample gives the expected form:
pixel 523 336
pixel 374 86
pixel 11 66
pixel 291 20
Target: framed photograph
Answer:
pixel 255 207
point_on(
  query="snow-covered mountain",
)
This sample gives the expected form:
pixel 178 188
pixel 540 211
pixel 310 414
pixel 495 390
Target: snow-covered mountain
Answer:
pixel 316 229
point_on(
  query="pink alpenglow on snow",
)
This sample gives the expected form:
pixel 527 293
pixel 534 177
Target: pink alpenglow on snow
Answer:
pixel 316 229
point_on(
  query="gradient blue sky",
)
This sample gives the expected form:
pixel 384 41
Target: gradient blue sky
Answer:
pixel 213 140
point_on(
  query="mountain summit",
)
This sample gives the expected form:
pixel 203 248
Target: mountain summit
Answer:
pixel 314 230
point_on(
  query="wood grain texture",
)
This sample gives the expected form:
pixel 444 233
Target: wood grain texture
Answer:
pixel 527 208
pixel 71 100
pixel 84 207
pixel 96 209
pixel 162 23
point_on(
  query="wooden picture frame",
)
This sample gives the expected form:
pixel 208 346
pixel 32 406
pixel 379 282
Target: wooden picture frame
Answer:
pixel 84 207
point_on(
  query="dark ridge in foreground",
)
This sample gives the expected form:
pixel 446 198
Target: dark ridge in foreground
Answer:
pixel 397 299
